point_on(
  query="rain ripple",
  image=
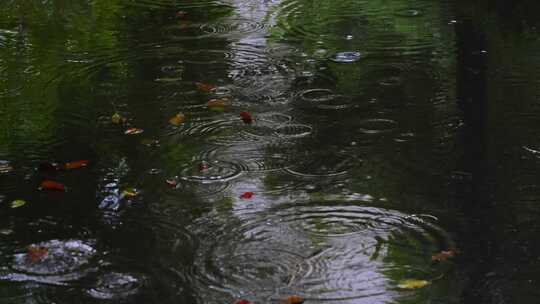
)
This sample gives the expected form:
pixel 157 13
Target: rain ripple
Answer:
pixel 323 251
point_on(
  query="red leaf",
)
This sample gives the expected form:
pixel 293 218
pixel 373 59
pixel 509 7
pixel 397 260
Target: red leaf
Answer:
pixel 243 302
pixel 203 166
pixel 172 182
pixel 36 254
pixel 246 117
pixel 204 87
pixel 247 195
pixel 76 164
pixel 52 185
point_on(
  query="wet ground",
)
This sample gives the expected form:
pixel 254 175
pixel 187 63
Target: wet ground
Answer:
pixel 156 151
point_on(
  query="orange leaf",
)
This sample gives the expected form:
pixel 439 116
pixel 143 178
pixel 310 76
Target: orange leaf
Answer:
pixel 246 117
pixel 133 131
pixel 204 87
pixel 76 164
pixel 36 254
pixel 444 255
pixel 293 300
pixel 52 185
pixel 218 104
pixel 177 119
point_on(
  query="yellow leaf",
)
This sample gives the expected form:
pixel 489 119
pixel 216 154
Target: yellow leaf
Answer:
pixel 413 284
pixel 130 192
pixel 118 119
pixel 177 119
pixel 18 203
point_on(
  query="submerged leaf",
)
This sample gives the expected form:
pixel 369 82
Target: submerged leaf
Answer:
pixel 36 254
pixel 204 87
pixel 133 131
pixel 246 117
pixel 413 284
pixel 18 203
pixel 181 14
pixel 52 185
pixel 293 300
pixel 177 119
pixel 443 255
pixel 247 195
pixel 76 164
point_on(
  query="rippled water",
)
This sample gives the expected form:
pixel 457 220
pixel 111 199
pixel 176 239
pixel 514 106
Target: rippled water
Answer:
pixel 262 149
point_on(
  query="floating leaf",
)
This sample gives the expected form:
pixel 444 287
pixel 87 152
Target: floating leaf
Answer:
pixel 181 14
pixel 130 192
pixel 76 164
pixel 218 104
pixel 246 117
pixel 52 185
pixel 172 182
pixel 18 203
pixel 133 131
pixel 444 255
pixel 247 195
pixel 204 87
pixel 177 119
pixel 203 166
pixel 116 118
pixel 36 254
pixel 243 302
pixel 293 300
pixel 413 284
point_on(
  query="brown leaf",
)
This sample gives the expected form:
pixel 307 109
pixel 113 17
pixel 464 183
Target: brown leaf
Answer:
pixel 36 254
pixel 444 255
pixel 413 284
pixel 218 104
pixel 204 87
pixel 293 300
pixel 133 131
pixel 177 119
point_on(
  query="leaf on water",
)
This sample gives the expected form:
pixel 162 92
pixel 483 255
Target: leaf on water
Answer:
pixel 243 302
pixel 177 119
pixel 117 119
pixel 18 203
pixel 246 117
pixel 76 164
pixel 218 104
pixel 293 300
pixel 52 185
pixel 130 192
pixel 173 182
pixel 133 131
pixel 413 284
pixel 444 255
pixel 204 87
pixel 36 254
pixel 247 195
pixel 204 166
pixel 181 14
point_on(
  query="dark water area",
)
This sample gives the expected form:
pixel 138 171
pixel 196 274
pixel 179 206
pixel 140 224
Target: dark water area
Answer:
pixel 343 151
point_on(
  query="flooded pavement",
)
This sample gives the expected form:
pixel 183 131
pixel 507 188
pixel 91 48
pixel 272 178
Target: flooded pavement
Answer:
pixel 216 151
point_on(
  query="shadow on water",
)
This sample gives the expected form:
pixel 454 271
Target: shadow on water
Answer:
pixel 261 149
